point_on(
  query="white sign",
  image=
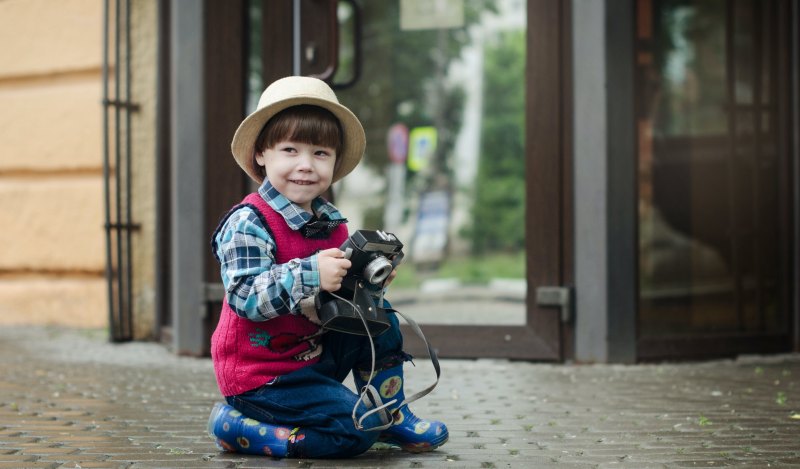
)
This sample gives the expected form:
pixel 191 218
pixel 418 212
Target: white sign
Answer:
pixel 431 14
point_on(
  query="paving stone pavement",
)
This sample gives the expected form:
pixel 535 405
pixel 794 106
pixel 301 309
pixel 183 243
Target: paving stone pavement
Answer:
pixel 71 399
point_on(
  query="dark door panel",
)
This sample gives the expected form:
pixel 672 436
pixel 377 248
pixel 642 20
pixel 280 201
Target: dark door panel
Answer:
pixel 714 184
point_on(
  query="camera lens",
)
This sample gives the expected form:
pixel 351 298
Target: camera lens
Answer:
pixel 377 270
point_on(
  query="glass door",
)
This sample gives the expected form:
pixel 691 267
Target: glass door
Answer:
pixel 440 88
pixel 441 94
pixel 714 187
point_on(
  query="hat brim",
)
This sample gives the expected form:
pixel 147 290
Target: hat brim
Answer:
pixel 353 138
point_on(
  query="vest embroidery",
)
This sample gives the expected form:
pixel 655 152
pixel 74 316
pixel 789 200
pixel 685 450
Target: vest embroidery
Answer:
pixel 259 338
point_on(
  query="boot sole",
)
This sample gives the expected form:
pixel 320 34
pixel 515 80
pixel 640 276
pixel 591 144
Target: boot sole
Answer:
pixel 411 448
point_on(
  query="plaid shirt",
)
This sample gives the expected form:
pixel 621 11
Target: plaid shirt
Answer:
pixel 257 288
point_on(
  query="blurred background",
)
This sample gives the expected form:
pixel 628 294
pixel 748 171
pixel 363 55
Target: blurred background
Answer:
pixel 589 180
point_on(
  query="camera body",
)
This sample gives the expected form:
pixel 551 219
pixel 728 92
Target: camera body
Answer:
pixel 373 255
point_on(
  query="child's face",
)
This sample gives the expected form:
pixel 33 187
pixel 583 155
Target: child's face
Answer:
pixel 299 171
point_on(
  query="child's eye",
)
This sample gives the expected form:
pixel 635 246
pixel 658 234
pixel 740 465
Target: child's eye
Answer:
pixel 288 149
pixel 323 153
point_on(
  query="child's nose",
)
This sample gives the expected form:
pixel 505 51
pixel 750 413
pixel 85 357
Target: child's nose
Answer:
pixel 304 162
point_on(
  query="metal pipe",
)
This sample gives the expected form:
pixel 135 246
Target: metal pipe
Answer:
pixel 296 52
pixel 106 171
pixel 128 322
pixel 117 150
pixel 118 247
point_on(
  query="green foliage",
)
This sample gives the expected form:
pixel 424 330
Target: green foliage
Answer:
pixel 402 79
pixel 499 208
pixel 468 270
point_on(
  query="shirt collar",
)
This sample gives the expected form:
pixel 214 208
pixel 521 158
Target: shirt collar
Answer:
pixel 295 216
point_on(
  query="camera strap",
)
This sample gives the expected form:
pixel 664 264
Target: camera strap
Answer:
pixel 431 354
pixel 370 396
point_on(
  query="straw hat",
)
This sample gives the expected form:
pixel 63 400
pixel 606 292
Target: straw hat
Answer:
pixel 293 91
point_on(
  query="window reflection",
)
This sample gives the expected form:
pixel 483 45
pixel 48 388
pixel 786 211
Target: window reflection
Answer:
pixel 709 168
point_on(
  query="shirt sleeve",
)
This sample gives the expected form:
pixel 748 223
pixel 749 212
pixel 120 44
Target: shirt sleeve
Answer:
pixel 256 286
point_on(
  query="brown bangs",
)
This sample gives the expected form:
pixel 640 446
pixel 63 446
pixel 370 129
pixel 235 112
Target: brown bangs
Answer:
pixel 308 124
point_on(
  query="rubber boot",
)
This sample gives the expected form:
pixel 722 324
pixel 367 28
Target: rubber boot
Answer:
pixel 408 431
pixel 238 434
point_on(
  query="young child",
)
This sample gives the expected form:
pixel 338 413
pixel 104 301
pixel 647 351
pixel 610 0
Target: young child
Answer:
pixel 280 373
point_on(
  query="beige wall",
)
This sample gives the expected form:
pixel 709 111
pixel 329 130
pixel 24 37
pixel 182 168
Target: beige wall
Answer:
pixel 51 181
pixel 144 59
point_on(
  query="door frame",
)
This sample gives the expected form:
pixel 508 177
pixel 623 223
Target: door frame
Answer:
pixel 549 200
pixel 549 203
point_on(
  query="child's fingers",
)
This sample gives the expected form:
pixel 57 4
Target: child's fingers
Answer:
pixel 390 278
pixel 332 268
pixel 332 252
pixel 335 255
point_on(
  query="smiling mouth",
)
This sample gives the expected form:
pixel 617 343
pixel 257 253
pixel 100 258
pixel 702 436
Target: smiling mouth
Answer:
pixel 301 183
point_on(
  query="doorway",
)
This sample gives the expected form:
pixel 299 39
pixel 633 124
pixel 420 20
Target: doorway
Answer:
pixel 455 166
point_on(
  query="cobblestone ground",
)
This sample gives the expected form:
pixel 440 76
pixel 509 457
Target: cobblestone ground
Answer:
pixel 70 399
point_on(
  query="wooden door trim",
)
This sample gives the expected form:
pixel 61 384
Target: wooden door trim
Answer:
pixel 549 204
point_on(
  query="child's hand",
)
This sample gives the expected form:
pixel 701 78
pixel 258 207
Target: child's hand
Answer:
pixel 332 268
pixel 390 278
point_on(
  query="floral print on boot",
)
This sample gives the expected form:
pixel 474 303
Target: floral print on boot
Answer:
pixel 236 433
pixel 408 431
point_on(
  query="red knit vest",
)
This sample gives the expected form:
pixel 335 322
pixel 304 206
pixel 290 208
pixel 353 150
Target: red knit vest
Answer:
pixel 249 354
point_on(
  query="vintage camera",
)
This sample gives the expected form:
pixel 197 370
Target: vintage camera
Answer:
pixel 374 255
